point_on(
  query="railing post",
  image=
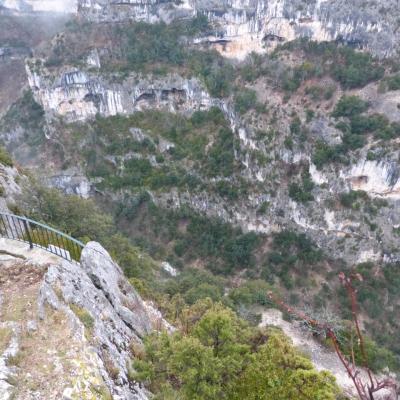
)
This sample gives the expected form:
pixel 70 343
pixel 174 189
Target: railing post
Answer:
pixel 41 236
pixel 28 233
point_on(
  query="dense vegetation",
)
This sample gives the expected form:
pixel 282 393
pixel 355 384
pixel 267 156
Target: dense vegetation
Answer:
pixel 182 237
pixel 393 82
pixel 137 47
pixel 302 192
pixel 356 127
pixel 245 100
pixel 142 46
pixel 378 283
pixel 217 356
pixel 192 236
pixel 291 258
pixel 5 158
pixel 142 49
pixel 27 114
pixel 351 68
pixel 83 220
pixel 293 255
pixel 159 154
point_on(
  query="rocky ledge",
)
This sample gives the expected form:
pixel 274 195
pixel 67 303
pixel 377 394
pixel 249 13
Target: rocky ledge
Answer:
pixel 69 331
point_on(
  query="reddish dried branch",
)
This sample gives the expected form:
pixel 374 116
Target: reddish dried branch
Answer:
pixel 364 390
pixel 329 334
pixel 347 282
pixel 353 374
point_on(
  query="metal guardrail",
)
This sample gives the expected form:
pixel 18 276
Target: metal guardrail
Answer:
pixel 35 234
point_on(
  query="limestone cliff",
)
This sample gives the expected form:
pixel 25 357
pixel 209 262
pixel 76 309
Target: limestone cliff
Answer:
pixel 242 26
pixel 69 331
pixel 78 95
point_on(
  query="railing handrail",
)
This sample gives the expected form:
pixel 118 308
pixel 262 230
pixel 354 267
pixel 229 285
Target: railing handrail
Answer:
pixel 78 242
pixel 57 242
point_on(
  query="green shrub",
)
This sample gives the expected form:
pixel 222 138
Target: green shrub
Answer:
pixel 293 78
pixel 349 106
pixel 251 293
pixel 355 69
pixel 221 247
pixel 245 100
pixel 393 82
pixel 28 114
pixel 5 158
pixel 194 284
pixel 378 357
pixel 84 316
pixel 349 67
pixel 190 137
pixel 352 107
pixel 352 142
pixel 302 193
pixel 72 215
pixel 315 92
pixel 216 355
pixel 309 115
pixel 291 254
pixel 318 93
pixel 361 124
pixel 301 245
pixel 139 48
pixel 83 220
pixel 227 190
pixel 214 238
pixel 263 208
pixel 5 337
pixel 220 159
pixel 202 291
pixel 216 72
pixel 142 45
pixel 349 200
pixel 288 143
pixel 324 154
pixel 295 126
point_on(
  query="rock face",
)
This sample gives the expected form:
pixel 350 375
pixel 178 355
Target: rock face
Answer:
pixel 71 181
pixel 138 10
pixel 9 186
pixel 120 316
pixel 242 26
pixel 377 178
pixel 77 95
pixel 92 318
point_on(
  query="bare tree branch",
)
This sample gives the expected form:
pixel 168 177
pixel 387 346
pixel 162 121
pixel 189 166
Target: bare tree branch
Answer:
pixel 366 390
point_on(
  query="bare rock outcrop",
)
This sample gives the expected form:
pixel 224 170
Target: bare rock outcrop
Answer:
pixel 82 321
pixel 9 186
